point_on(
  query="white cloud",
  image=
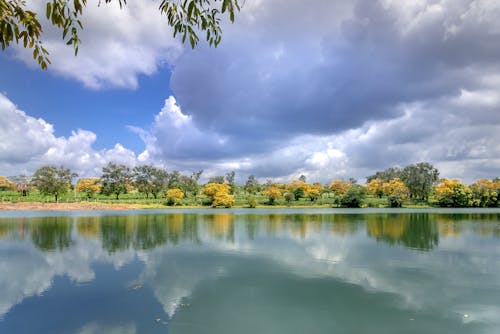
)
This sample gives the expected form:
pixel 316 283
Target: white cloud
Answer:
pixel 27 143
pixel 117 46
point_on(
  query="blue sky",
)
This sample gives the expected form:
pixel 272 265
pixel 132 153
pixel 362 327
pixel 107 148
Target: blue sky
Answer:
pixel 69 105
pixel 328 89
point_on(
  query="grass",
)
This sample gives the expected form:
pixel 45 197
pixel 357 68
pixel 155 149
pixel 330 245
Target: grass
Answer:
pixel 241 200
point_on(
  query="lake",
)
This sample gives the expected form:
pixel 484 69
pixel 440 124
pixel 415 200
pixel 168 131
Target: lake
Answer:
pixel 250 271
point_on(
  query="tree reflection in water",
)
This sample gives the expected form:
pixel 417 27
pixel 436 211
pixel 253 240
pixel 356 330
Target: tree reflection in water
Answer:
pixel 414 230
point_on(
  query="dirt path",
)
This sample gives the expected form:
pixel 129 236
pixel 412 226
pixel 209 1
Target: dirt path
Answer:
pixel 38 206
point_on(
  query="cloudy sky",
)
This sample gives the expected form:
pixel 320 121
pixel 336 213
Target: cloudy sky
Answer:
pixel 329 89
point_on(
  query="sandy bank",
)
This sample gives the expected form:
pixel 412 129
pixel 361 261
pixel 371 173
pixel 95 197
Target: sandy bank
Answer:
pixel 65 206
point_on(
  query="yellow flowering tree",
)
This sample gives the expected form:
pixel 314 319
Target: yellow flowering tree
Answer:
pixel 314 191
pixel 396 191
pixel 222 199
pixel 485 192
pixel 174 196
pixel 89 186
pixel 218 194
pixel 339 187
pixel 273 193
pixel 376 187
pixel 297 188
pixel 453 193
pixel 6 184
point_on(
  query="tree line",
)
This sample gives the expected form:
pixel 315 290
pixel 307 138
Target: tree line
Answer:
pixel 418 183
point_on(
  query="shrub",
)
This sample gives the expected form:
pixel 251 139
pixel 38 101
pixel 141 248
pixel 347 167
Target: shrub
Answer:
pixel 353 198
pixel 252 202
pixel 222 199
pixel 174 196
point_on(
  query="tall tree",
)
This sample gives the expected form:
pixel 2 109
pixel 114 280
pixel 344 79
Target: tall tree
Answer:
pixel 149 179
pixel 230 179
pixel 89 186
pixel 252 185
pixel 385 175
pixel 420 179
pixel 187 18
pixel 217 179
pixel 115 179
pixel 50 180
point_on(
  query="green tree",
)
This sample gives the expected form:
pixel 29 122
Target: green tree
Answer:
pixel 385 175
pixel 189 184
pixel 149 179
pixel 115 179
pixel 217 179
pixel 50 180
pixel 453 193
pixel 419 179
pixel 354 197
pixel 230 179
pixel 173 179
pixel 485 192
pixel 252 185
pixel 187 18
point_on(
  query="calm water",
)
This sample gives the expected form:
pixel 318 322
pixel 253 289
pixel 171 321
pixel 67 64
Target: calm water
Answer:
pixel 250 271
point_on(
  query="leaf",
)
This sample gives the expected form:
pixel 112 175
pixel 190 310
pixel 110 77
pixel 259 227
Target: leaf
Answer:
pixel 48 10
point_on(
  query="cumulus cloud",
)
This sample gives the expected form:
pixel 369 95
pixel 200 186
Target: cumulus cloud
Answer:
pixel 379 83
pixel 117 46
pixel 26 143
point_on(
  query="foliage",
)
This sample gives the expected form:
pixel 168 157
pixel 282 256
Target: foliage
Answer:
pixel 289 197
pixel 339 187
pixel 273 193
pixel 453 193
pixel 115 179
pixel 229 178
pixel 5 184
pixel 385 175
pixel 89 186
pixel 376 187
pixel 252 185
pixel 297 188
pixel 252 202
pixel 217 190
pixel 223 199
pixel 353 197
pixel 396 191
pixel 217 179
pixel 419 179
pixel 174 196
pixel 314 191
pixel 149 179
pixel 187 18
pixel 485 193
pixel 50 180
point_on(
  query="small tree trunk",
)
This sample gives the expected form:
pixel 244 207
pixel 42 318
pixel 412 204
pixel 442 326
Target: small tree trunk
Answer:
pixel 117 194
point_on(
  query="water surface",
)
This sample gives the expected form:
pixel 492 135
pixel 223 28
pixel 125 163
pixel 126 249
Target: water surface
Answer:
pixel 250 271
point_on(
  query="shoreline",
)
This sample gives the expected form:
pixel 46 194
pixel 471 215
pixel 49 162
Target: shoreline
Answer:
pixel 80 206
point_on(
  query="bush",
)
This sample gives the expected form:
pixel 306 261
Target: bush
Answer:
pixel 353 198
pixel 289 197
pixel 252 202
pixel 395 201
pixel 222 199
pixel 174 196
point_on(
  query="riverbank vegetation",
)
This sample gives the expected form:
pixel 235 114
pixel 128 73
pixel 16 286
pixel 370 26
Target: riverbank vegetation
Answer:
pixel 416 185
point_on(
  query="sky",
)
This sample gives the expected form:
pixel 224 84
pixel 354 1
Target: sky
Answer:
pixel 325 88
